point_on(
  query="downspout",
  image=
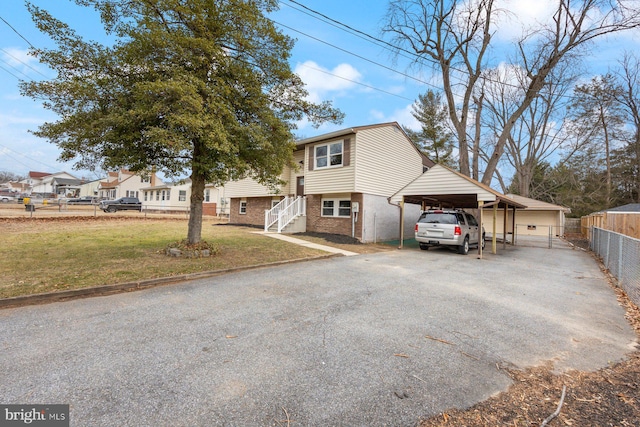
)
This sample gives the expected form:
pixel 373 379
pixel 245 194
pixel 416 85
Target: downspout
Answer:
pixel 401 207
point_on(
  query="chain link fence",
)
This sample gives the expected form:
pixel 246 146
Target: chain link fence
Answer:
pixel 621 255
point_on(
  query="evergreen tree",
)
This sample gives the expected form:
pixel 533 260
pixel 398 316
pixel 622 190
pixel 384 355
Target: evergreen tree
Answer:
pixel 433 139
pixel 195 87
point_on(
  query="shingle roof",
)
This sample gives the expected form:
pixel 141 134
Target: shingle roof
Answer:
pixel 631 207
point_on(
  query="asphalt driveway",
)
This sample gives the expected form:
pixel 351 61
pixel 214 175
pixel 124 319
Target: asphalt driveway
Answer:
pixel 369 340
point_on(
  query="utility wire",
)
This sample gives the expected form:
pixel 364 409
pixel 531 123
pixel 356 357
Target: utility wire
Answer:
pixel 9 72
pixel 17 32
pixel 358 83
pixel 22 62
pixel 24 156
pixel 357 55
pixel 385 45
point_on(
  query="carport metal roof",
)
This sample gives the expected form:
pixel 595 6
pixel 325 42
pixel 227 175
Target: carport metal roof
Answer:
pixel 445 188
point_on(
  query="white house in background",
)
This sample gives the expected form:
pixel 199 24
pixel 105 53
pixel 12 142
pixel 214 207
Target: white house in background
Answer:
pixel 537 219
pixel 166 197
pixel 125 183
pixel 340 185
pixel 177 198
pixel 59 184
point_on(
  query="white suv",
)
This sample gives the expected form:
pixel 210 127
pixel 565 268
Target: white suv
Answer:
pixel 450 228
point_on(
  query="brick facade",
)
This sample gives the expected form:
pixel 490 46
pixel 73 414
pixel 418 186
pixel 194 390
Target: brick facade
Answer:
pixel 255 211
pixel 319 224
pixel 315 221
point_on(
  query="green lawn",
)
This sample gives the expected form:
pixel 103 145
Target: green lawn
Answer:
pixel 49 254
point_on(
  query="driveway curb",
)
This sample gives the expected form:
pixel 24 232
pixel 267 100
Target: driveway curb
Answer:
pixel 102 290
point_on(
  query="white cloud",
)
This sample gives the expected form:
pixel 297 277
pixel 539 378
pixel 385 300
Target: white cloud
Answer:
pixel 403 116
pixel 322 82
pixel 521 15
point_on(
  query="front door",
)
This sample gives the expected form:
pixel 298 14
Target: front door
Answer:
pixel 300 186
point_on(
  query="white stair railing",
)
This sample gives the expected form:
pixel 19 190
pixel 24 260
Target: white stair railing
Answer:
pixel 271 216
pixel 285 212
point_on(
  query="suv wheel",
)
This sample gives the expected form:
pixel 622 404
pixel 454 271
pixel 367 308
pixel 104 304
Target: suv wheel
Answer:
pixel 483 242
pixel 111 209
pixel 463 249
pixel 424 246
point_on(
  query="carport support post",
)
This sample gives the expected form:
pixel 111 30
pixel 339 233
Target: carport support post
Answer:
pixel 401 223
pixel 480 205
pixel 494 237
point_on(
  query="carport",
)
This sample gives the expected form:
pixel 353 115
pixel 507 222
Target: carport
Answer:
pixel 441 187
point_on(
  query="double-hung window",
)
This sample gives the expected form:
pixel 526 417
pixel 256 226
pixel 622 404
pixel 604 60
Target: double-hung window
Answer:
pixel 182 196
pixel 328 155
pixel 336 207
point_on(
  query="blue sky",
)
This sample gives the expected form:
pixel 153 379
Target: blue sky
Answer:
pixel 336 65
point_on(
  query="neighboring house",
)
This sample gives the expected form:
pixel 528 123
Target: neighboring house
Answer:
pixel 167 197
pixel 340 185
pixel 537 219
pixel 33 179
pixel 177 198
pixel 125 184
pixel 60 184
pixel 15 187
pixel 622 219
pixel 89 188
pixel 215 203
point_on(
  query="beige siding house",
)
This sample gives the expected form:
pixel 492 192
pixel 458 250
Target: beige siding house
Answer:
pixel 345 178
pixel 537 219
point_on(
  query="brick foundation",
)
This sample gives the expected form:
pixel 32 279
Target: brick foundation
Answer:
pixel 319 224
pixel 255 211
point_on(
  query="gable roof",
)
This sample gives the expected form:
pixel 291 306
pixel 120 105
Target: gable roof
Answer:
pixel 443 186
pixel 537 205
pixel 38 175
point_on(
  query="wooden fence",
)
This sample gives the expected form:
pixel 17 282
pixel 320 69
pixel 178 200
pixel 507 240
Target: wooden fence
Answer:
pixel 627 223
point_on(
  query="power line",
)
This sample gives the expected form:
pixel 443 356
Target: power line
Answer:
pixel 356 82
pixel 24 156
pixel 9 72
pixel 17 32
pixel 23 63
pixel 357 55
pixel 385 45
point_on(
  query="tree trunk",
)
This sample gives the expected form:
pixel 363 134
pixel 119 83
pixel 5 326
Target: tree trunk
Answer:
pixel 194 235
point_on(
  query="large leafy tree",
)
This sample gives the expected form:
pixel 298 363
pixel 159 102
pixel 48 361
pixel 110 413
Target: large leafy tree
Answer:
pixel 200 88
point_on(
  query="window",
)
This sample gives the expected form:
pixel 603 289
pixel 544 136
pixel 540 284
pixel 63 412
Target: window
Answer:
pixel 146 194
pixel 328 155
pixel 157 194
pixel 168 194
pixel 162 195
pixel 207 195
pixel 145 179
pixel 182 195
pixel 243 207
pixel 336 207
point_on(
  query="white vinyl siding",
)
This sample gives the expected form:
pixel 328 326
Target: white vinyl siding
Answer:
pixel 439 180
pixel 298 160
pixel 248 187
pixel 387 161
